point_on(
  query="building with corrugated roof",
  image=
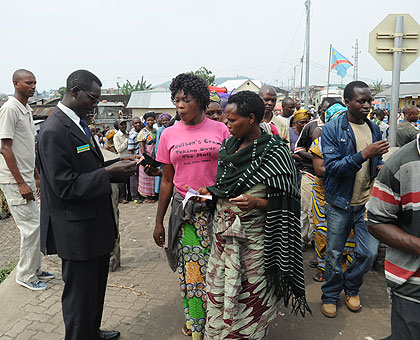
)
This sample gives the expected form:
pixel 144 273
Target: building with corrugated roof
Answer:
pixel 237 85
pixel 158 101
pixel 409 95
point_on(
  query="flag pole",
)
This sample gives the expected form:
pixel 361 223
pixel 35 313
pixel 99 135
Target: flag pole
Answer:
pixel 329 70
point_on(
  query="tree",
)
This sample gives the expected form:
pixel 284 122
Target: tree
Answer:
pixel 206 74
pixel 127 88
pixel 377 86
pixel 61 91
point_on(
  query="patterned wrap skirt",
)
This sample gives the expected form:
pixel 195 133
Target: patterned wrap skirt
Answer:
pixel 147 183
pixel 193 255
pixel 239 304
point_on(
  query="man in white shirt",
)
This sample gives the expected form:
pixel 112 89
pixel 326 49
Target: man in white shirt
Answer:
pixel 121 145
pixel 19 179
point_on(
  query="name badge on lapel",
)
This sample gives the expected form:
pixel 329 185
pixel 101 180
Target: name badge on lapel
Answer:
pixel 82 148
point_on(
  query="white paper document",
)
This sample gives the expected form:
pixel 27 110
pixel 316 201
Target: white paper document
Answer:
pixel 192 193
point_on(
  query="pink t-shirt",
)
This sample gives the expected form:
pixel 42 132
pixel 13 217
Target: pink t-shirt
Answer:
pixel 192 150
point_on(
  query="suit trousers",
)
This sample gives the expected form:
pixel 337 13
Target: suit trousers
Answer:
pixel 26 215
pixel 134 184
pixel 83 296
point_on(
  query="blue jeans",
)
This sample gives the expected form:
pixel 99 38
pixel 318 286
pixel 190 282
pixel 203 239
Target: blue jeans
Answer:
pixel 339 223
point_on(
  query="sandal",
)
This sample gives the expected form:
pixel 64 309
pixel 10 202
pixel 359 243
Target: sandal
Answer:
pixel 319 277
pixel 186 331
pixel 313 263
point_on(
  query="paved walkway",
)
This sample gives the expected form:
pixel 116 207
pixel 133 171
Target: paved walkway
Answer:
pixel 143 302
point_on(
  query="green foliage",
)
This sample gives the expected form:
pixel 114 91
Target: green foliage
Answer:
pixel 377 86
pixel 61 91
pixel 128 87
pixel 206 74
pixel 6 270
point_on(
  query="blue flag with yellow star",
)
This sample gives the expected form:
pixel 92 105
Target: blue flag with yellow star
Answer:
pixel 340 63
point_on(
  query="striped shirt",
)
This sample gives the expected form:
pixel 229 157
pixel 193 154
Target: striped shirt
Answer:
pixel 133 144
pixel 395 199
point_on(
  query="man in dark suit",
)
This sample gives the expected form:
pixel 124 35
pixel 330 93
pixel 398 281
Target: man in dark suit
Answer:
pixel 77 221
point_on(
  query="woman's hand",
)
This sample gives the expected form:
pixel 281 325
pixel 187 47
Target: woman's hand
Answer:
pixel 203 191
pixel 151 171
pixel 247 202
pixel 159 234
pixel 130 158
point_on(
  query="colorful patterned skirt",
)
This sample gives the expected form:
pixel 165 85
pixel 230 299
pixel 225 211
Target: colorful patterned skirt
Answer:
pixel 147 183
pixel 239 305
pixel 4 207
pixel 193 255
pixel 320 224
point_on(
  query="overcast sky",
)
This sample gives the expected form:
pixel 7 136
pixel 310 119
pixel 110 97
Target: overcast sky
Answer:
pixel 125 39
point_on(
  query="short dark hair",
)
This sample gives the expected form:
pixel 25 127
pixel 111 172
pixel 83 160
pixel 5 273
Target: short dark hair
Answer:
pixel 349 89
pixel 20 73
pixel 148 115
pixel 248 102
pixel 287 100
pixel 329 100
pixel 192 85
pixel 379 113
pixel 83 79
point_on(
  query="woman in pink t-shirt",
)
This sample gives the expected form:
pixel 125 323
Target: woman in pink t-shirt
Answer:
pixel 188 152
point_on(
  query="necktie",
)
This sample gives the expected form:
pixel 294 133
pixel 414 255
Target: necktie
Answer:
pixel 86 129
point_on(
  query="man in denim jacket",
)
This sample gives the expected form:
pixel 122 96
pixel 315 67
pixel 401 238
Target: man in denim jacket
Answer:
pixel 352 147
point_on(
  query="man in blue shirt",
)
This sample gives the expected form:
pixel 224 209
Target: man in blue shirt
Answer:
pixel 352 147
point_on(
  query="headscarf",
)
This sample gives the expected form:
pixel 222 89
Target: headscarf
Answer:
pixel 301 114
pixel 214 97
pixel 110 134
pixel 165 115
pixel 334 111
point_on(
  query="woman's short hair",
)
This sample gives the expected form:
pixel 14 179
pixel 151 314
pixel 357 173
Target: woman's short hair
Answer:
pixel 148 115
pixel 248 102
pixel 192 85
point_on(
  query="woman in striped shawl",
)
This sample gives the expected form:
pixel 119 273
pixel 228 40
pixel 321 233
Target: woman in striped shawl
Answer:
pixel 256 258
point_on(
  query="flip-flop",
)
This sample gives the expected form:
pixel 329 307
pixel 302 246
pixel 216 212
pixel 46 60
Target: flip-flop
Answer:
pixel 313 263
pixel 186 331
pixel 319 277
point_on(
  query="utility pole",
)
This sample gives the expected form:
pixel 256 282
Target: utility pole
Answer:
pixel 301 78
pixel 308 25
pixel 294 81
pixel 356 60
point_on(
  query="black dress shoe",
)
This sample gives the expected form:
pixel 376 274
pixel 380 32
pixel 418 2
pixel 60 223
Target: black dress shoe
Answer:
pixel 107 335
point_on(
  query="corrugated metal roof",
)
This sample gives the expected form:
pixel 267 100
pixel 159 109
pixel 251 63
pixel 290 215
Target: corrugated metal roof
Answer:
pixel 150 100
pixel 235 83
pixel 405 91
pixel 42 111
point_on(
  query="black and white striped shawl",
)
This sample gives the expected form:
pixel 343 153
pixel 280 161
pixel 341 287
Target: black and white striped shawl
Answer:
pixel 267 160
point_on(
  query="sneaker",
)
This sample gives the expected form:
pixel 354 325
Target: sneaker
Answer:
pixel 45 275
pixel 34 285
pixel 329 310
pixel 353 303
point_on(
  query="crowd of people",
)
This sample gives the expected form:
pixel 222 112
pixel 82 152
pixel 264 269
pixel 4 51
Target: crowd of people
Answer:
pixel 263 187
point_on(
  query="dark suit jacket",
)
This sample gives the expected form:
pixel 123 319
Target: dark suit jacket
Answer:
pixel 77 220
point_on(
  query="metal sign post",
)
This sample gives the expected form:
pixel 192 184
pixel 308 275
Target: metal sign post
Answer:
pixel 396 73
pixel 394 43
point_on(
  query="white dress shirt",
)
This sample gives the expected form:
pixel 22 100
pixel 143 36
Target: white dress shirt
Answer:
pixel 71 114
